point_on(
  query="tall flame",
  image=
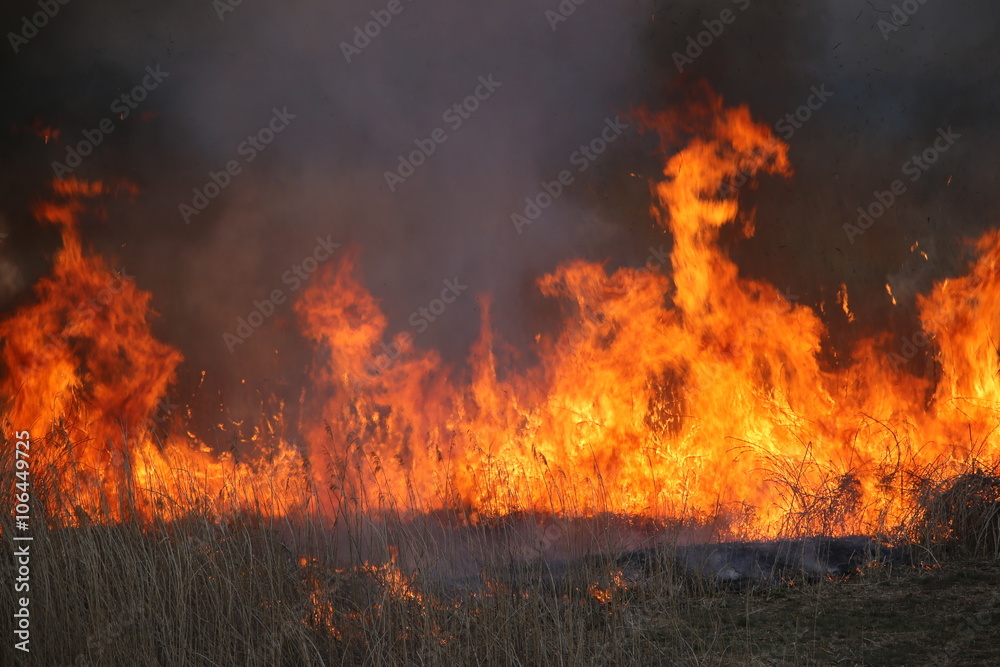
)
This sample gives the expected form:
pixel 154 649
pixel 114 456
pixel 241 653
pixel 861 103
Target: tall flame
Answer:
pixel 86 377
pixel 702 395
pixel 82 356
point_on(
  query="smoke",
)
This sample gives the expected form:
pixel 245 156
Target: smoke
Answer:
pixel 558 81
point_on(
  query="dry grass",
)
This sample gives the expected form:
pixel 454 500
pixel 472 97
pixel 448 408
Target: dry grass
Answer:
pixel 249 591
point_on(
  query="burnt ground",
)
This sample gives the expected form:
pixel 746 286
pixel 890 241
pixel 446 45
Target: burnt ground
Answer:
pixel 846 601
pixel 911 616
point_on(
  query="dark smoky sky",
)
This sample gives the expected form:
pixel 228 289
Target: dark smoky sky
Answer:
pixel 323 175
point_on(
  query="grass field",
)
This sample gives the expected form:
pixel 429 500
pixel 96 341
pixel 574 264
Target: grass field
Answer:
pixel 249 591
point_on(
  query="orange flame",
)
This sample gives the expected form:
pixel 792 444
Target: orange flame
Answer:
pixel 696 395
pixel 86 376
pixel 41 130
pixel 701 395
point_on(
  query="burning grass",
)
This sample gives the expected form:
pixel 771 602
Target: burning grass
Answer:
pixel 503 514
pixel 234 586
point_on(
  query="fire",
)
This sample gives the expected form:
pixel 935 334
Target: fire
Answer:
pixel 85 374
pixel 698 394
pixel 41 130
pixel 701 394
pixel 606 594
